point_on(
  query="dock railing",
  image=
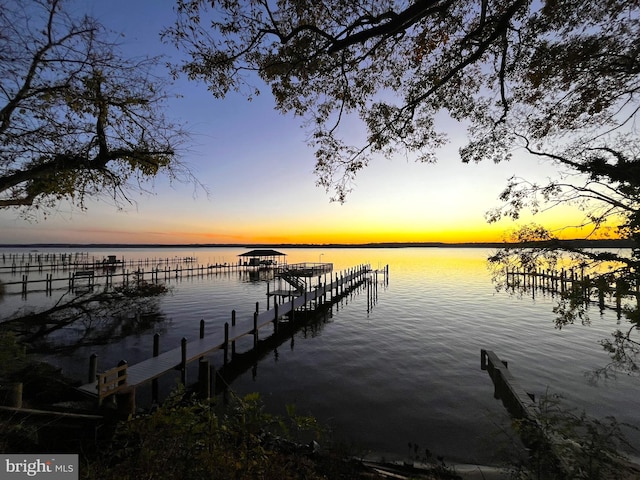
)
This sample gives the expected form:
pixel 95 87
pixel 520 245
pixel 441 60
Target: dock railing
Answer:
pixel 112 381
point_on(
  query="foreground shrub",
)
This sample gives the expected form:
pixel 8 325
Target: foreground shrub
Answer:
pixel 190 439
pixel 567 444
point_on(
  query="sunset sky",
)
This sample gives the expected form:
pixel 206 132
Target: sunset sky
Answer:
pixel 259 171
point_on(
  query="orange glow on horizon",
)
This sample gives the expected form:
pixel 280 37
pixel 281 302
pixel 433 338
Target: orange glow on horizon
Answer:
pixel 489 235
pixel 311 238
pixel 353 227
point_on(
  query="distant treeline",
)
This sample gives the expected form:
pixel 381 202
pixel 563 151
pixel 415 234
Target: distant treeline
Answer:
pixel 578 243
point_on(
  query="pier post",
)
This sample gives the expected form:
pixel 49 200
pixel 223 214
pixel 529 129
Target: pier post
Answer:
pixel 125 399
pixel 275 318
pixel 154 382
pixel 204 379
pixel 93 367
pixel 202 328
pixel 586 287
pixel 226 342
pixel 122 373
pixel 183 361
pixel 324 288
pixel 601 286
pixel 233 318
pixel 156 344
pixel 293 310
pixel 255 329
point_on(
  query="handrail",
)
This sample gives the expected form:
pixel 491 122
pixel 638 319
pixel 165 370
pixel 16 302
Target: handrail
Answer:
pixel 112 381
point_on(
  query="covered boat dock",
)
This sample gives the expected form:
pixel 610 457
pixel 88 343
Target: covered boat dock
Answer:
pixel 263 258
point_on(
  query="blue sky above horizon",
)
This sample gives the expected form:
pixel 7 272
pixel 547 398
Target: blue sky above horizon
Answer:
pixel 259 171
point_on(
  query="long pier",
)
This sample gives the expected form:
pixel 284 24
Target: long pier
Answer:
pixel 88 275
pixel 125 378
pixel 577 283
pixel 55 262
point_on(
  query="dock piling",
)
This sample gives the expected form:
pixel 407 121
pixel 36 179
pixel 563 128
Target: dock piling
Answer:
pixel 93 367
pixel 255 329
pixel 226 342
pixel 154 382
pixel 275 318
pixel 183 361
pixel 204 378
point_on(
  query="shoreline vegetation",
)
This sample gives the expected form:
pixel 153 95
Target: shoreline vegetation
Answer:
pixel 575 243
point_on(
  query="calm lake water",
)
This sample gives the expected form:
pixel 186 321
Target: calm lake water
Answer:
pixel 403 368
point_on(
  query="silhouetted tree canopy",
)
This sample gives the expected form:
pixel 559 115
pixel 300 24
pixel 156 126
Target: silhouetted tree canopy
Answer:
pixel 77 119
pixel 518 73
pixel 555 80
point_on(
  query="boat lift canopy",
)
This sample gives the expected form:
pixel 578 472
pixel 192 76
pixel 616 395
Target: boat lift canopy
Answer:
pixel 263 257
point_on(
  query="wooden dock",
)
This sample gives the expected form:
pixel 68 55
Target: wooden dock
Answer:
pixel 517 401
pixel 523 407
pixel 189 351
pixel 56 262
pixel 114 275
pixel 575 283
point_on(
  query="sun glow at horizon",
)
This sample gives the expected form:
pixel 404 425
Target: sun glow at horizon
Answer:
pixel 497 235
pixel 333 226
